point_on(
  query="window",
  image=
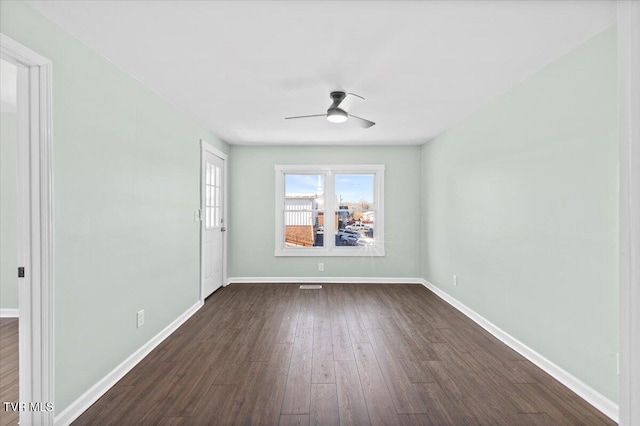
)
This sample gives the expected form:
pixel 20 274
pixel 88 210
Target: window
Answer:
pixel 213 196
pixel 335 210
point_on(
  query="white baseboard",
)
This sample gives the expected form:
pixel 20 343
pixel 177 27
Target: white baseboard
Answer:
pixel 81 404
pixel 323 280
pixel 593 397
pixel 9 313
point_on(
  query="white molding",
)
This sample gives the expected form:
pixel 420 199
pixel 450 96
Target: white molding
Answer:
pixel 35 228
pixel 19 52
pixel 593 397
pixel 9 313
pixel 629 208
pixel 323 280
pixel 81 404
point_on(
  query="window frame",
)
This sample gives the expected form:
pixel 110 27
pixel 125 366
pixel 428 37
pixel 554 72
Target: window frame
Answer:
pixel 330 207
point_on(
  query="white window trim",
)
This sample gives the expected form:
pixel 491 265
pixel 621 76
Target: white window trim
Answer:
pixel 329 171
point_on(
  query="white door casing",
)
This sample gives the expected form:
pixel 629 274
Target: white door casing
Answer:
pixel 35 230
pixel 212 220
pixel 629 208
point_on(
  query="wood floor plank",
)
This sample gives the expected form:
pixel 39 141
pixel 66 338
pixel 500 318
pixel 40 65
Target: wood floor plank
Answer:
pixel 294 420
pixel 439 408
pixel 9 374
pixel 267 406
pixel 357 328
pixel 215 406
pixel 298 388
pixel 376 393
pixel 173 421
pixel 324 404
pixel 267 337
pixel 351 404
pixel 289 323
pixel 395 376
pixel 193 382
pixel 515 373
pixel 537 419
pixel 237 356
pixel 246 392
pixel 340 338
pixel 113 405
pixel 322 370
pixel 151 392
pixel 472 391
pixel 415 420
pixel 145 411
pixel 409 353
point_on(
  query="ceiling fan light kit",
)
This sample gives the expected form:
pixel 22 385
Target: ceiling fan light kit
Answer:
pixel 335 114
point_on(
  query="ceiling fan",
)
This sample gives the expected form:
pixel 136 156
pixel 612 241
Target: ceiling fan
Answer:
pixel 335 114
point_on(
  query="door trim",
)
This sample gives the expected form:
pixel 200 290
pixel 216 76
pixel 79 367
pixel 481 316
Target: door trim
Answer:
pixel 629 208
pixel 205 147
pixel 35 232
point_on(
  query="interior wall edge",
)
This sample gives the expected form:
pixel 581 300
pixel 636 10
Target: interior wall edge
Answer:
pixel 629 208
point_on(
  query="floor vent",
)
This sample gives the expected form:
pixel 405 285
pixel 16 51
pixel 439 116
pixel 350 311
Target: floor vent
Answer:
pixel 310 286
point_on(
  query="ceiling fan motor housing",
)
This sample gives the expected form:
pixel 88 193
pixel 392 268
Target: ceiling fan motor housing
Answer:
pixel 338 96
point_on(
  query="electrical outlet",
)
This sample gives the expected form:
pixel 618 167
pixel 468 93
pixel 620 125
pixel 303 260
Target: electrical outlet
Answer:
pixel 196 216
pixel 455 280
pixel 320 267
pixel 140 318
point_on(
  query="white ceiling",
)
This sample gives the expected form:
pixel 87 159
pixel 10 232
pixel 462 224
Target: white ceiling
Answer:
pixel 241 67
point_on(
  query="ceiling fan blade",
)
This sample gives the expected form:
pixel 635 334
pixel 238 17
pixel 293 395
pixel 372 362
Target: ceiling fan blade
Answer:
pixel 347 101
pixel 339 101
pixel 306 116
pixel 353 94
pixel 361 121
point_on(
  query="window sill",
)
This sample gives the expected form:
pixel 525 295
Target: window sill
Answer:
pixel 335 252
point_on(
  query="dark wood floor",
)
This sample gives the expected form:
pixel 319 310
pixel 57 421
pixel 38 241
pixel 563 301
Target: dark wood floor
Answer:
pixel 347 354
pixel 8 369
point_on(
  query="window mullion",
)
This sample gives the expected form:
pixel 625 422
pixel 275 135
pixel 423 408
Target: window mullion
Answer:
pixel 329 221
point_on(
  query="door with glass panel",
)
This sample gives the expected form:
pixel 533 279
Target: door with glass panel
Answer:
pixel 213 222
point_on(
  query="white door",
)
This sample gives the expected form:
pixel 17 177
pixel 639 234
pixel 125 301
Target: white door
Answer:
pixel 212 219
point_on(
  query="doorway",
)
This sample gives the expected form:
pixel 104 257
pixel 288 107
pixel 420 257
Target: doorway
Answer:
pixel 213 226
pixel 34 235
pixel 9 311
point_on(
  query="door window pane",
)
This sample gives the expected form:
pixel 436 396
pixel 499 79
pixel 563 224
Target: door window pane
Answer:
pixel 212 196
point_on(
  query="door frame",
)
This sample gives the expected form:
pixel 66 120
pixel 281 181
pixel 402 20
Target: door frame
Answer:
pixel 205 147
pixel 629 209
pixel 35 230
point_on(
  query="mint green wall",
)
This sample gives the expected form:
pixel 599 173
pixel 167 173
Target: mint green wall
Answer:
pixel 8 212
pixel 126 184
pixel 519 200
pixel 251 231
